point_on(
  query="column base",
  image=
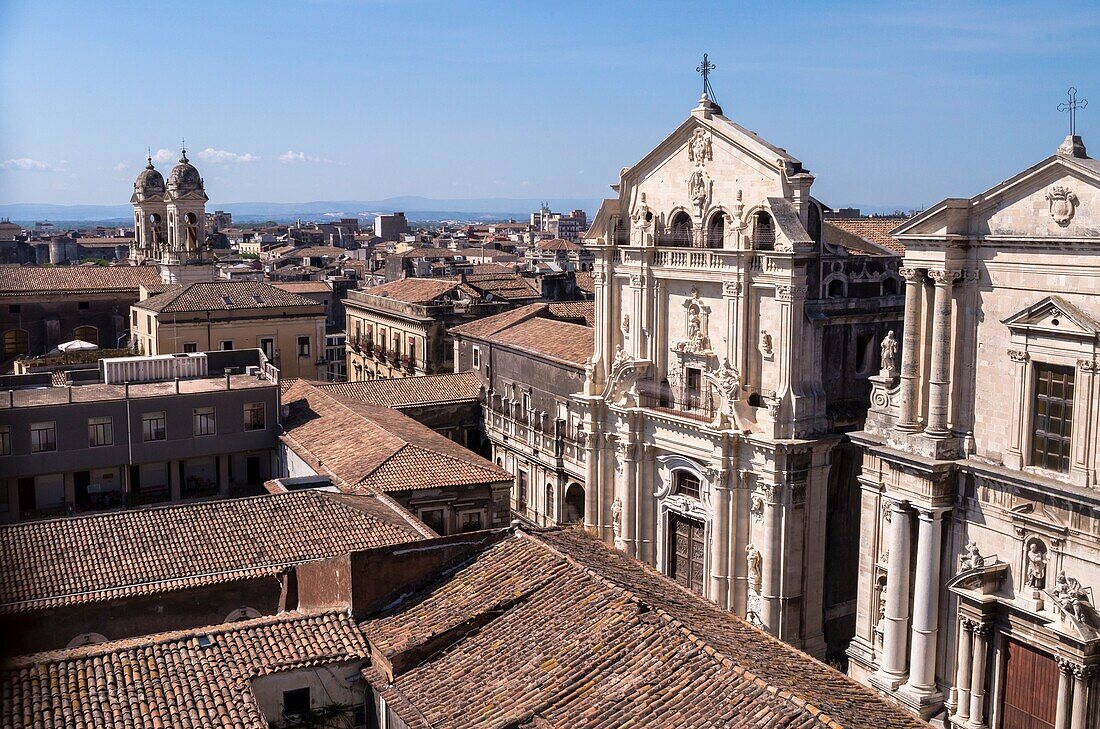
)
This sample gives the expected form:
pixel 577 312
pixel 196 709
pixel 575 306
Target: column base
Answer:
pixel 924 702
pixel 885 681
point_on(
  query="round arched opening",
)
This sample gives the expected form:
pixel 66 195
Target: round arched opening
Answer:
pixel 716 231
pixel 763 232
pixel 573 504
pixel 679 230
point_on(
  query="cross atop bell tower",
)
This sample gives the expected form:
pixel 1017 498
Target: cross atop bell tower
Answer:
pixel 1072 146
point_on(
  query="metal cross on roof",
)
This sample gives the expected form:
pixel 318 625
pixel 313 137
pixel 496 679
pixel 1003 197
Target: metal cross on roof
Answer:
pixel 1071 106
pixel 705 68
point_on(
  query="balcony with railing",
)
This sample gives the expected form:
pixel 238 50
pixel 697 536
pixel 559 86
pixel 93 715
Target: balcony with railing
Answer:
pixel 553 437
pixel 699 403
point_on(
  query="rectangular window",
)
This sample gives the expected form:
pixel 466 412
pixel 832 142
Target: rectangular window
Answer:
pixel 433 518
pixel 686 484
pixel 204 421
pixel 153 427
pixel 254 416
pixel 303 346
pixel 267 344
pixel 101 432
pixel 526 401
pixel 227 344
pixel 5 440
pixel 412 350
pixel 521 489
pixel 149 322
pixel 296 702
pixel 469 521
pixel 1053 410
pixel 190 347
pixel 477 358
pixel 43 437
pixel 133 318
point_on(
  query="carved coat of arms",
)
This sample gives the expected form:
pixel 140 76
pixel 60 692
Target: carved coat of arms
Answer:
pixel 1063 203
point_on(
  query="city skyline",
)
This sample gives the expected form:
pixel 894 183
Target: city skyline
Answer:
pixel 372 100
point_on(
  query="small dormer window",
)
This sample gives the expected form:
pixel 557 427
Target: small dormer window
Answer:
pixel 228 301
pixel 257 299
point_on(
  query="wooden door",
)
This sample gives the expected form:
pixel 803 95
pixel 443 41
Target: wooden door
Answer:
pixel 686 546
pixel 1031 688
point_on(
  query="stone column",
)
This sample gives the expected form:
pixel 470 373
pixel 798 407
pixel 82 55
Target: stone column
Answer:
pixel 977 679
pixel 1013 453
pixel 591 480
pixel 894 632
pixel 962 669
pixel 910 349
pixel 1078 716
pixel 1065 691
pixel 926 604
pixel 629 531
pixel 771 558
pixel 720 538
pixel 939 378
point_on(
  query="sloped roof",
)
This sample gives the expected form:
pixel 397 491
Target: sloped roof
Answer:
pixel 368 449
pixel 558 244
pixel 195 678
pixel 408 392
pixel 876 230
pixel 585 282
pixel 304 287
pixel 224 296
pixel 553 629
pixel 584 310
pixel 140 551
pixel 546 329
pixel 413 290
pixel 31 280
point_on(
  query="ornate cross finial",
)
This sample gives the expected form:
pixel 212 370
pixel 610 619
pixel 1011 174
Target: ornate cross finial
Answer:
pixel 1072 105
pixel 705 68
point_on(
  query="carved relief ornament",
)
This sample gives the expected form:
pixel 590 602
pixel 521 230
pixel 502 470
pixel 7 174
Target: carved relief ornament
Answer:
pixel 700 147
pixel 1063 204
pixel 912 275
pixel 944 277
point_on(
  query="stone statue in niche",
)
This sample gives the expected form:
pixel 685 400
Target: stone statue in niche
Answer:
pixel 697 188
pixel 729 381
pixel 695 325
pixel 1036 558
pixel 626 323
pixel 756 508
pixel 753 560
pixel 889 362
pixel 765 343
pixel 617 516
pixel 971 558
pixel 642 214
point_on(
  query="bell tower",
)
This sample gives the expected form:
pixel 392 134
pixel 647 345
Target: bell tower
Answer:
pixel 185 206
pixel 150 215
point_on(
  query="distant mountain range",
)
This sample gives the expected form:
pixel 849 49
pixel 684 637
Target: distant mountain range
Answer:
pixel 415 208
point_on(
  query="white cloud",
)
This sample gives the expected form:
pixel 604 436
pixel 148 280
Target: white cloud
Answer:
pixel 164 155
pixel 25 163
pixel 122 166
pixel 221 156
pixel 292 156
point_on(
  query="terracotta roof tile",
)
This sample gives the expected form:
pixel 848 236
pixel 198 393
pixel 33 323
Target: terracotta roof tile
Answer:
pixel 28 280
pixel 558 244
pixel 304 287
pixel 585 282
pixel 554 629
pixel 405 392
pixel 536 328
pixel 224 296
pixel 877 230
pixel 113 555
pixel 195 678
pixel 413 290
pixel 575 310
pixel 369 449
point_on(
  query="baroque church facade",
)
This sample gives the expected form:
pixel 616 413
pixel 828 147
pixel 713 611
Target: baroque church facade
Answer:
pixel 980 545
pixel 170 221
pixel 712 444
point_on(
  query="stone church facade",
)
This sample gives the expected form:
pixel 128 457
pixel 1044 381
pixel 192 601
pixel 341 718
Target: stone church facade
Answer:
pixel 980 545
pixel 709 434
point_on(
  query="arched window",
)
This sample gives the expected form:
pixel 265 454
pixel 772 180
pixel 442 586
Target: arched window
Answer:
pixel 16 341
pixel 574 504
pixel 87 334
pixel 837 289
pixel 889 286
pixel 716 231
pixel 679 230
pixel 865 353
pixel 685 483
pixel 192 224
pixel 549 501
pixel 763 232
pixel 813 226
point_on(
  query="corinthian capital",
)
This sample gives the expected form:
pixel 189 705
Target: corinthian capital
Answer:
pixel 910 274
pixel 943 276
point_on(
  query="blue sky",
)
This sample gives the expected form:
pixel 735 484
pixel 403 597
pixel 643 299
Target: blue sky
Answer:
pixel 888 104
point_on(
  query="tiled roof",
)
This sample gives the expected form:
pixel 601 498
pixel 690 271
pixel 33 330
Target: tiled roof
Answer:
pixel 534 328
pixel 585 282
pixel 405 392
pixel 505 287
pixel 304 287
pixel 30 280
pixel 195 678
pixel 877 230
pixel 315 251
pixel 582 310
pixel 554 629
pixel 108 556
pixel 224 296
pixel 413 290
pixel 558 244
pixel 428 252
pixel 370 449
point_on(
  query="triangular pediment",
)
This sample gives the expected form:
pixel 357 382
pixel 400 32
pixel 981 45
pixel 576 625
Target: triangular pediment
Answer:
pixel 1054 315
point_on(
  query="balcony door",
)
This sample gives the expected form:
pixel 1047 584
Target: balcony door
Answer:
pixel 686 547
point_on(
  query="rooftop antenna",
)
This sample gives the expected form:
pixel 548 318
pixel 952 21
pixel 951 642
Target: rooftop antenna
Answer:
pixel 705 68
pixel 1071 105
